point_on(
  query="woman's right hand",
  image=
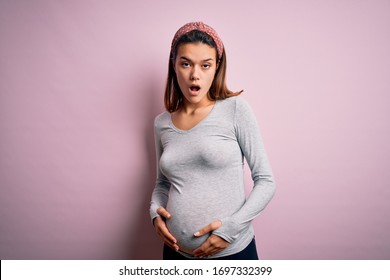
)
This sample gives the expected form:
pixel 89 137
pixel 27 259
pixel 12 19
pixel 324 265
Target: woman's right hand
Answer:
pixel 162 230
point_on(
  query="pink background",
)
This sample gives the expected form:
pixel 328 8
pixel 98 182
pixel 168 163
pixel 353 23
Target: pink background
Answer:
pixel 80 85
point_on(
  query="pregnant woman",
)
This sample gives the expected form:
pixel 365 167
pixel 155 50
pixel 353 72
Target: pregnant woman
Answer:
pixel 198 205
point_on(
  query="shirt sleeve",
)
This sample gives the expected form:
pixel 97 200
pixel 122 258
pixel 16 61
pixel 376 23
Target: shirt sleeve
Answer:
pixel 162 186
pixel 252 147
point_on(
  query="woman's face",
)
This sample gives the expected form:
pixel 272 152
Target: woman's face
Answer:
pixel 195 67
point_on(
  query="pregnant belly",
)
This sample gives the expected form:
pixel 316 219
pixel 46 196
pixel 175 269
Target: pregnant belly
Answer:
pixel 184 234
pixel 195 206
pixel 185 221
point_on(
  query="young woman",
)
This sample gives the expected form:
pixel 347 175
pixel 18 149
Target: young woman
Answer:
pixel 198 205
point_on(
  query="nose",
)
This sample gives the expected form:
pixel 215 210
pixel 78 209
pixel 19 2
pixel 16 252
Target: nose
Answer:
pixel 194 73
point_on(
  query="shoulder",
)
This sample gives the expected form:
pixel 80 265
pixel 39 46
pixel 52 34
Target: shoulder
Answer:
pixel 237 103
pixel 241 103
pixel 162 119
pixel 243 112
pixel 233 107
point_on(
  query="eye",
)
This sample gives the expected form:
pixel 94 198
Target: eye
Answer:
pixel 185 64
pixel 206 66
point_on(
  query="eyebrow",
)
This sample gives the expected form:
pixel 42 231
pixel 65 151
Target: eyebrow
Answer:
pixel 185 58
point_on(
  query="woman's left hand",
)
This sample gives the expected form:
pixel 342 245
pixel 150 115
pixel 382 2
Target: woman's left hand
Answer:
pixel 213 244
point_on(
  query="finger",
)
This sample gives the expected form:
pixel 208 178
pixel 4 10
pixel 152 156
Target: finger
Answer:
pixel 176 247
pixel 167 234
pixel 167 238
pixel 161 228
pixel 209 251
pixel 202 250
pixel 204 254
pixel 213 226
pixel 211 246
pixel 163 212
pixel 168 242
pixel 163 231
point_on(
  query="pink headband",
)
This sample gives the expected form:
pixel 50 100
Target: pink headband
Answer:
pixel 201 27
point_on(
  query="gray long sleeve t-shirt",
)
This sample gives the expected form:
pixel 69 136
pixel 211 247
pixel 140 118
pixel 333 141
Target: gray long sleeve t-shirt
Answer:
pixel 200 176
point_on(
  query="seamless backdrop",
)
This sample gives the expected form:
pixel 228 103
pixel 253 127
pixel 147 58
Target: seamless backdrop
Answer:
pixel 80 85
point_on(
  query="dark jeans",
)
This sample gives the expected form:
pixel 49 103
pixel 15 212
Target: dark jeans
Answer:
pixel 249 253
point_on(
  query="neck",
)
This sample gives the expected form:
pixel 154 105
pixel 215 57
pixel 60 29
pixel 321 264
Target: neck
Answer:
pixel 191 108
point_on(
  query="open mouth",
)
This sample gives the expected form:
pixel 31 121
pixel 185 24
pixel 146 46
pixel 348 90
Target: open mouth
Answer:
pixel 194 88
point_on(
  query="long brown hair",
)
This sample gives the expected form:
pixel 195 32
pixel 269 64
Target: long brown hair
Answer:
pixel 173 97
